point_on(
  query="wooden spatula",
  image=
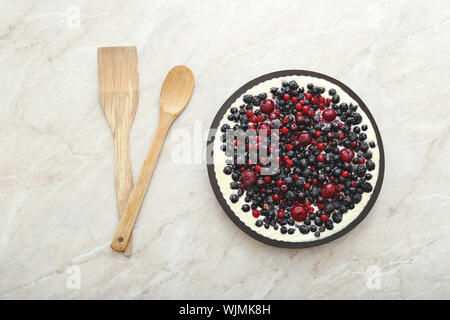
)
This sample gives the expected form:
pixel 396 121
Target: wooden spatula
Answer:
pixel 119 94
pixel 175 94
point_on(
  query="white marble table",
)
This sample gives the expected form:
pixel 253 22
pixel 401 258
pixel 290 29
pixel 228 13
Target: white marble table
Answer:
pixel 57 200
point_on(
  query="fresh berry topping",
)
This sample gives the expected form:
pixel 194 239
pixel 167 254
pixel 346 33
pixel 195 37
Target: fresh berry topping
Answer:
pixel 323 150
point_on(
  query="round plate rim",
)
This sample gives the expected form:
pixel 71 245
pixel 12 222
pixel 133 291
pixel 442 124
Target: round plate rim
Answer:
pixel 220 198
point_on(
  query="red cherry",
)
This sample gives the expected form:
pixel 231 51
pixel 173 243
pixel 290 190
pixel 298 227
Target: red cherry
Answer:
pixel 324 218
pixel 318 133
pixel 321 157
pixel 284 130
pixel 314 100
pixel 294 99
pixel 308 96
pixel 258 168
pixel 345 174
pixel 298 213
pixel 289 147
pixel 267 106
pixel 289 163
pixel 328 190
pixel 321 146
pixel 273 116
pixel 265 126
pixel 249 113
pixel 305 138
pixel 267 179
pixel 362 160
pixel 346 154
pixel 280 182
pixel 329 114
pixel 276 197
pixel 307 186
pixel 286 97
pixel 341 136
pixel 281 213
pixel 255 213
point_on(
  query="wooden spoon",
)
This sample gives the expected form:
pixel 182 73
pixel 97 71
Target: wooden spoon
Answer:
pixel 175 94
pixel 119 94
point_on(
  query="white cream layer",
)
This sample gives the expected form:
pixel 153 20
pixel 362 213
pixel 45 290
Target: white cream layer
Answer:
pixel 224 180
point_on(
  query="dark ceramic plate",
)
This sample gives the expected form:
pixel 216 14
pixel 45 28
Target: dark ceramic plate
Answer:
pixel 219 195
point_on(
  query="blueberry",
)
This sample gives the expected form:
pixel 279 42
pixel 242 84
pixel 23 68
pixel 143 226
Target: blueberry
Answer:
pixel 283 230
pixel 303 229
pixel 372 144
pixel 259 223
pixel 245 208
pixel 336 99
pixel 227 170
pixel 317 234
pixel 368 176
pixel 225 127
pixel 234 198
pixel 332 92
pixel 291 230
pixel 364 127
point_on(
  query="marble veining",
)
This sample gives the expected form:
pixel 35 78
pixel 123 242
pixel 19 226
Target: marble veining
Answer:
pixel 57 200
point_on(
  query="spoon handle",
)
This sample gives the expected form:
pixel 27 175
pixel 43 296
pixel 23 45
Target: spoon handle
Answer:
pixel 126 224
pixel 123 176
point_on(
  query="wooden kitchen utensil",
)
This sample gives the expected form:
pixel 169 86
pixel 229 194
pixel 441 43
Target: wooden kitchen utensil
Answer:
pixel 119 94
pixel 175 94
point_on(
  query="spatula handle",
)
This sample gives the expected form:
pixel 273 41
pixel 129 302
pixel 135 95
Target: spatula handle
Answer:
pixel 123 177
pixel 126 224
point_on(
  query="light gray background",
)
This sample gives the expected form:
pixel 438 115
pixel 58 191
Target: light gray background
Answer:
pixel 57 201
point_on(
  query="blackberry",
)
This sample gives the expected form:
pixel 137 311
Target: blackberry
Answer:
pixel 370 165
pixel 337 217
pixel 361 170
pixel 247 98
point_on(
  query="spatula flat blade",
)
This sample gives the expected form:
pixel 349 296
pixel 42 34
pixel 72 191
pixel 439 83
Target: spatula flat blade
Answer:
pixel 118 81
